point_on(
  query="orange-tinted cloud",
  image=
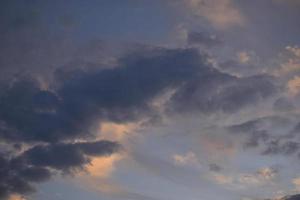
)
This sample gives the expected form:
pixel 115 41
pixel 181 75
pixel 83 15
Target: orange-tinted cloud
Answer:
pixel 292 62
pixel 222 179
pixel 16 197
pixel 293 86
pixel 116 132
pixel 103 166
pixel 189 158
pixel 221 13
pixel 217 147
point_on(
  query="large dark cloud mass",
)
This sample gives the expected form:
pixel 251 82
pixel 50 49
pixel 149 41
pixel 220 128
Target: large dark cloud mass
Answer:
pixel 196 99
pixel 67 156
pixel 68 108
pixel 29 113
pixel 20 173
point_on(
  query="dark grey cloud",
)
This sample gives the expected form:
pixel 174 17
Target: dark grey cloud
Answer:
pixel 29 113
pixel 261 123
pixel 215 167
pixel 255 130
pixel 126 90
pixel 65 157
pixel 18 178
pixel 278 147
pixel 283 104
pixel 69 107
pixel 37 38
pixel 77 100
pixel 291 197
pixel 215 91
pixel 256 137
pixel 19 174
pixel 275 135
pixel 247 126
pixel 296 129
pixel 203 39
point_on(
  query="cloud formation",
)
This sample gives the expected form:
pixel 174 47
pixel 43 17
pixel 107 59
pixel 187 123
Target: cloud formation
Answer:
pixel 221 13
pixel 61 114
pixel 215 91
pixel 20 173
pixel 203 39
pixel 175 99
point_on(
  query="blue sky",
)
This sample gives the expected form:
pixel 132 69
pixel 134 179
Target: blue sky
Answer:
pixel 149 100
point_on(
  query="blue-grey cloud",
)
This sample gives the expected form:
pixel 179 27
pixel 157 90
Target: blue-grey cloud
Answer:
pixel 215 91
pixel 203 39
pixel 67 111
pixel 19 174
pixel 291 197
pixel 30 113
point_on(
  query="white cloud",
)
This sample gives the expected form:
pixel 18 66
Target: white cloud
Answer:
pixel 187 159
pixel 244 180
pixel 291 61
pixel 267 173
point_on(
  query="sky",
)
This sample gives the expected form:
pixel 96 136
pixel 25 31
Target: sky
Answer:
pixel 150 100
